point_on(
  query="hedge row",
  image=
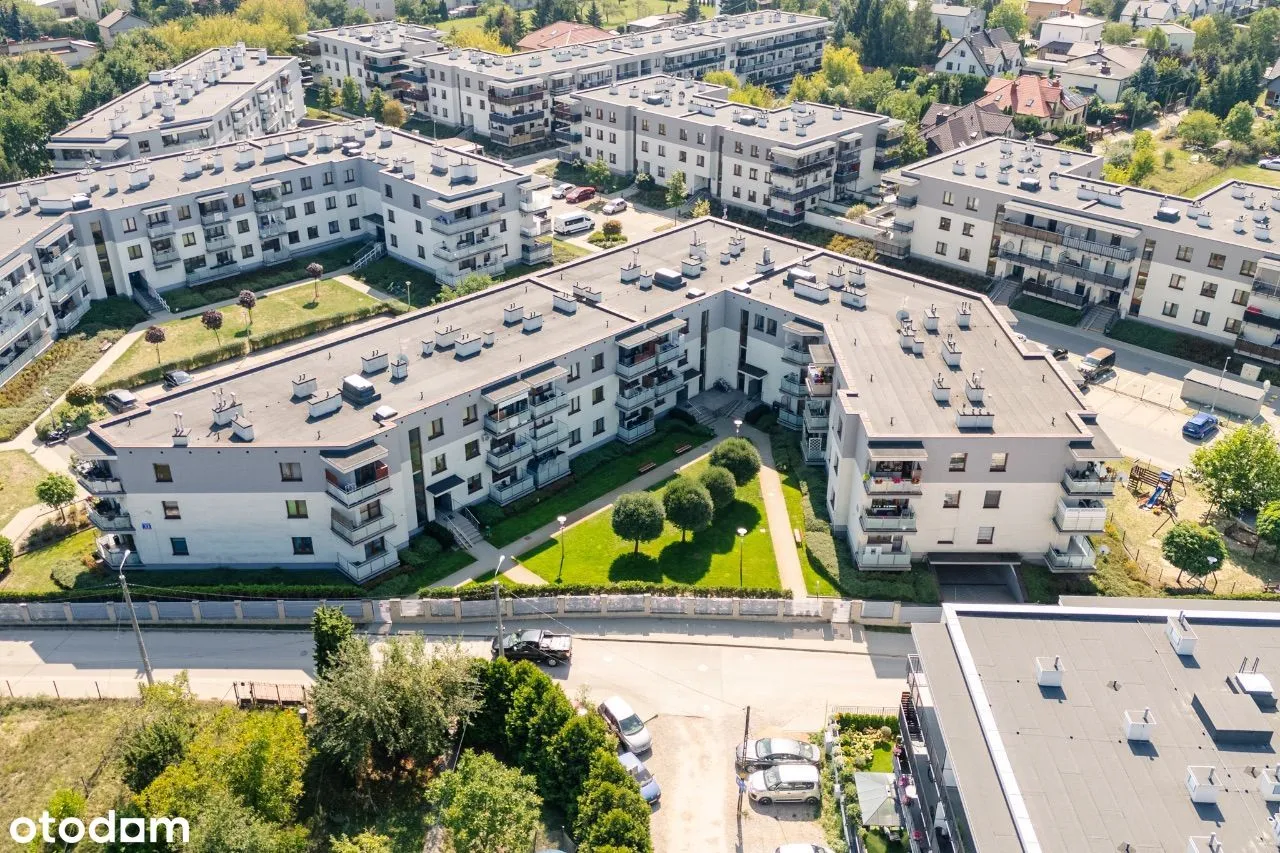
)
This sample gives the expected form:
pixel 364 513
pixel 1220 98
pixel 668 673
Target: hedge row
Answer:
pixel 859 722
pixel 254 343
pixel 475 592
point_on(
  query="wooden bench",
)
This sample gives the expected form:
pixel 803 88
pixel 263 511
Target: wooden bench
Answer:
pixel 795 531
pixel 647 467
pixel 684 448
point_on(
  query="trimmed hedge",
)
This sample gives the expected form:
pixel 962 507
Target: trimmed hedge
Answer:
pixel 475 592
pixel 858 722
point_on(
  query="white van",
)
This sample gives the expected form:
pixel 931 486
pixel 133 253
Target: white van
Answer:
pixel 572 223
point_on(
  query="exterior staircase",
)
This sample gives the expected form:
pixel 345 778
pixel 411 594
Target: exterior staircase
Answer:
pixel 464 527
pixel 1099 318
pixel 700 414
pixel 1004 290
pixel 909 716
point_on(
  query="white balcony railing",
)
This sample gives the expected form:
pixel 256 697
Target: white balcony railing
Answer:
pixel 1085 484
pixel 360 571
pixel 637 367
pixel 871 519
pixel 1078 556
pixel 882 557
pixel 350 494
pixel 636 431
pixel 505 493
pixel 1084 516
pixel 505 457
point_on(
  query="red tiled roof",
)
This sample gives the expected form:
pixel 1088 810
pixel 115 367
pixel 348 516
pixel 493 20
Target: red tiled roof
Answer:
pixel 562 34
pixel 1029 95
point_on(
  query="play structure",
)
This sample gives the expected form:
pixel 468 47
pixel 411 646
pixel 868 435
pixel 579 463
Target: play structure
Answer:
pixel 1163 489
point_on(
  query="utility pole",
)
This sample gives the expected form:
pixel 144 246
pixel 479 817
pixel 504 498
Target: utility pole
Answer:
pixel 497 600
pixel 133 617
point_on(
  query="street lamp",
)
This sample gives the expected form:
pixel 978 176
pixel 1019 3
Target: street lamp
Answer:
pixel 562 519
pixel 408 292
pixel 737 426
pixel 742 538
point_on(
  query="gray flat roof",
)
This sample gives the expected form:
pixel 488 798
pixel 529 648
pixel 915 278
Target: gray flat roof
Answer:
pixel 1057 763
pixel 891 387
pixel 392 34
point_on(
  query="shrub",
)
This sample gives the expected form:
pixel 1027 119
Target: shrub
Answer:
pixel 66 572
pixel 440 533
pixel 753 417
pixel 81 394
pixel 739 456
pixel 683 415
pixel 611 228
pixel 476 592
pixel 720 485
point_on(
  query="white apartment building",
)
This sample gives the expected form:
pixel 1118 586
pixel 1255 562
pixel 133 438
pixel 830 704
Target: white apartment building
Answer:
pixel 1041 216
pixel 141 228
pixel 376 56
pixel 943 436
pixel 771 162
pixel 509 98
pixel 222 95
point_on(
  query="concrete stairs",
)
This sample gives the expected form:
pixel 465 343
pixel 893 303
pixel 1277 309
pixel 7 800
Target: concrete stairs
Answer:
pixel 1003 291
pixel 700 414
pixel 463 527
pixel 1099 318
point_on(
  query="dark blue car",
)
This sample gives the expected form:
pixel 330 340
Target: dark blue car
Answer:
pixel 1200 426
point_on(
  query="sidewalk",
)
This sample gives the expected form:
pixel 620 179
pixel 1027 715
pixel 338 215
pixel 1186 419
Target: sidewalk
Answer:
pixel 775 505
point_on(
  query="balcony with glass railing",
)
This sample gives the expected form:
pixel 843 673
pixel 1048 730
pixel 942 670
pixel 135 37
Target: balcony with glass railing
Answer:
pixel 668 385
pixel 882 558
pixel 213 215
pixel 1090 482
pixel 463 221
pixel 159 228
pixel 669 352
pixel 218 243
pixel 351 493
pixel 792 384
pixel 272 228
pixel 547 436
pixel 636 431
pixel 1078 556
pixel 817 417
pixel 1080 515
pixel 542 405
pixel 501 457
pixel 98 479
pixel 637 364
pixel 51 262
pixel 630 399
pixel 68 319
pixel 164 257
pixel 790 420
pixel 889 478
pixel 354 532
pixel 67 281
pixel 504 421
pixel 361 570
pixel 900 519
pixel 466 248
pixel 509 490
pixel 796 354
pixel 267 202
pixel 818 382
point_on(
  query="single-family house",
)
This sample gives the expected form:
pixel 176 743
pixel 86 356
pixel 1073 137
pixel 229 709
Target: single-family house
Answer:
pixel 1070 28
pixel 986 53
pixel 946 127
pixel 70 52
pixel 1272 80
pixel 1038 10
pixel 1143 14
pixel 958 20
pixel 117 22
pixel 1039 97
pixel 1100 69
pixel 562 34
pixel 1181 39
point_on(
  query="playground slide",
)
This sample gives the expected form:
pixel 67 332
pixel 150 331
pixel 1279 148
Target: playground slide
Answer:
pixel 1154 499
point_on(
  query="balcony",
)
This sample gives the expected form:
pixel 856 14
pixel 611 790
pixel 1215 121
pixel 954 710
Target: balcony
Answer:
pixel 635 432
pixel 800 193
pixel 568 137
pixel 1031 231
pixel 1015 257
pixel 634 398
pixel 111 521
pixel 789 419
pixel 517 118
pixel 266 205
pixel 793 385
pixel 116 558
pixel 513 98
pixel 503 424
pixel 1078 556
pixel 785 217
pixel 217 244
pixel 817 386
pixel 504 493
pixel 538 253
pixel 97 481
pixel 466 250
pixel 1093 247
pixel 670 352
pixel 1080 515
pixel 66 322
pixel 1082 484
pixel 669 385
pixel 51 264
pixel 504 457
pixel 797 354
pixel 69 281
pixel 817 418
pixel 355 534
pixel 880 558
pixel 458 224
pixel 637 366
pixel 360 571
pixel 538 203
pixel 883 483
pixel 1262 351
pixel 1056 294
pixel 271 229
pixel 546 437
pixel 890 136
pixel 551 469
pixel 1091 275
pixel 548 403
pixel 905 201
pixel 877 519
pixel 887 161
pixel 164 257
pixel 213 216
pixel 162 228
pixel 801 168
pixel 1254 317
pixel 349 494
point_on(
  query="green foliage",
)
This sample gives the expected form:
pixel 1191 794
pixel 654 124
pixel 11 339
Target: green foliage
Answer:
pixel 330 628
pixel 638 517
pixel 1199 128
pixel 611 227
pixel 1267 525
pixel 473 283
pixel 739 456
pixel 56 491
pixel 688 505
pixel 1038 307
pixel 692 12
pixel 719 483
pixel 352 100
pixel 1191 347
pixel 598 172
pixel 496 681
pixel 1196 549
pixel 475 592
pixel 373 106
pixel 1010 14
pixel 6 553
pixel 160 739
pixel 610 794
pixel 1240 471
pixel 571 752
pixel 1238 125
pixel 537 712
pixel 1118 33
pixel 701 207
pixel 81 394
pixel 365 842
pixel 486 806
pixel 677 190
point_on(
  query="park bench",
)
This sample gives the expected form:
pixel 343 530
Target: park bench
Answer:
pixel 684 448
pixel 647 467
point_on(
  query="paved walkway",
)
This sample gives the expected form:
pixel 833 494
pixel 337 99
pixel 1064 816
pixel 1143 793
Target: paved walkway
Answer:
pixel 775 507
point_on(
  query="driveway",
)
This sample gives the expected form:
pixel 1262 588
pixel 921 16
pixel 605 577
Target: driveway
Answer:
pixel 636 224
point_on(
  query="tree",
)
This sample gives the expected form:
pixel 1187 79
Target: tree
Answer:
pixel 365 842
pixel 160 739
pixel 315 270
pixel 327 96
pixel 720 484
pixel 212 320
pixel 594 18
pixel 82 394
pixel 484 805
pixel 739 456
pixel 1199 128
pixel 1156 40
pixel 692 11
pixel 572 749
pixel 688 505
pixel 155 335
pixel 1267 525
pixel 373 107
pixel 1240 471
pixel 677 192
pixel 598 172
pixel 611 228
pixel 638 517
pixel 393 114
pixel 609 790
pixel 1238 125
pixel 6 553
pixel 1196 549
pixel 701 207
pixel 352 101
pixel 330 628
pixel 1010 14
pixel 56 491
pixel 1141 165
pixel 247 300
pixel 1118 33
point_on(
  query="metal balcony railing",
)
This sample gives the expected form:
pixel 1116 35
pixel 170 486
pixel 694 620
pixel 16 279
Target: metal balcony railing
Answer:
pixel 505 493
pixel 362 570
pixel 504 424
pixel 1082 484
pixel 631 400
pixel 109 522
pixel 637 367
pixel 903 521
pixel 1079 556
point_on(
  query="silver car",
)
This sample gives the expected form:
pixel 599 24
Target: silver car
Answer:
pixel 626 724
pixel 774 751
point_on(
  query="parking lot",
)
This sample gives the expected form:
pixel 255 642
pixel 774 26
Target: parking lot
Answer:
pixel 636 224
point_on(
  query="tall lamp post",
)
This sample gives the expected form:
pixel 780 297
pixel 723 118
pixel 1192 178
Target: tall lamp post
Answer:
pixel 562 519
pixel 737 426
pixel 408 292
pixel 742 539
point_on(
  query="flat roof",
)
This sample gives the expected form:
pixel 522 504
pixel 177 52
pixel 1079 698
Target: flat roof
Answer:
pixel 891 387
pixel 1055 764
pixel 391 34
pixel 233 85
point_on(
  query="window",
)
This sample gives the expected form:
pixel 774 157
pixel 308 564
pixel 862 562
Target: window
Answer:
pixel 575 372
pixel 1170 309
pixel 947 198
pixel 575 405
pixel 1209 289
pixel 302 546
pixel 967 229
pixel 971 203
pixel 184 212
pixel 759 323
pixel 305 183
pixel 598 426
pixel 171 510
pixel 471 415
pixel 188 239
pixel 1184 253
pixel 291 472
pixel 986 535
pixel 597 395
pixel 238 200
pixel 1240 297
pixel 940 248
pixel 472 449
pixel 386 191
pixel 575 437
pixel 295 509
pixel 308 207
pixel 597 362
pixel 944 224
pixel 475 483
pixel 1216 261
pixel 991 500
pixel 351 200
pixel 164 474
pixel 437 428
pixel 950 500
pixel 1232 326
pixel 129 224
pixel 1200 318
pixel 771 328
pixel 1248 269
pixel 335 227
pixel 1176 281
pixel 353 224
pixel 135 252
pixel 439 464
pixel 178 545
pixel 963 254
pixel 737 170
pixel 313 232
pixel 958 461
pixel 999 462
pixel 246 252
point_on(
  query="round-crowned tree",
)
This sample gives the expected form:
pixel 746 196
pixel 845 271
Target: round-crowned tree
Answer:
pixel 638 517
pixel 212 320
pixel 739 456
pixel 688 505
pixel 1196 549
pixel 720 485
pixel 247 300
pixel 155 335
pixel 81 394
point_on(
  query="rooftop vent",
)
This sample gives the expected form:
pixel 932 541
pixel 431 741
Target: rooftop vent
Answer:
pixel 358 390
pixel 951 351
pixel 764 266
pixel 980 170
pixel 963 315
pixel 957 167
pixel 931 319
pixel 1253 684
pixel 466 345
pixel 1181 637
pixel 532 322
pixel 941 389
pixel 375 362
pixel 242 429
pixel 1166 212
pixel 512 314
pixel 1139 725
pixel 1203 783
pixel 304 386
pixel 975 418
pixel 1049 671
pixel 445 336
pixel 974 389
pixel 1030 183
pixel 325 404
pixel 564 303
pixel 587 293
pixel 1206 843
pixel 384 413
pixel 400 368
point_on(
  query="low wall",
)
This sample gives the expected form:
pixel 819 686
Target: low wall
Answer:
pixel 841 225
pixel 891 613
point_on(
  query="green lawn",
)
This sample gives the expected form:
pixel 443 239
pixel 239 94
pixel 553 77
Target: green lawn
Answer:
pixel 562 252
pixel 422 577
pixel 1239 172
pixel 882 759
pixel 815 583
pixel 1047 310
pixel 594 554
pixel 277 314
pixel 19 474
pixel 30 572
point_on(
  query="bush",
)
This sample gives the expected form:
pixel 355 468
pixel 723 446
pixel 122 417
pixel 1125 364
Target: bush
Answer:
pixel 81 394
pixel 739 456
pixel 612 228
pixel 477 592
pixel 66 415
pixel 441 534
pixel 66 572
pixel 684 416
pixel 753 417
pixel 1169 342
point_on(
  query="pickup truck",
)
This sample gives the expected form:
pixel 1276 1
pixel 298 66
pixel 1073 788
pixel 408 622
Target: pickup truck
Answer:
pixel 536 645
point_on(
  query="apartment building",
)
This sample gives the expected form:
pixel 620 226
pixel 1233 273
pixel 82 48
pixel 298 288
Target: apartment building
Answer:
pixel 376 56
pixel 944 436
pixel 1040 216
pixel 1101 724
pixel 141 228
pixel 774 163
pixel 222 95
pixel 509 98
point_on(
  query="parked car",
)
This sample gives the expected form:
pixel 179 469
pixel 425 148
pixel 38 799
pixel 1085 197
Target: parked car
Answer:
pixel 1098 363
pixel 1059 353
pixel 626 724
pixel 1272 163
pixel 615 205
pixel 1200 426
pixel 560 190
pixel 120 400
pixel 565 224
pixel 773 751
pixel 177 378
pixel 578 194
pixel 536 645
pixel 648 785
pixel 57 435
pixel 790 783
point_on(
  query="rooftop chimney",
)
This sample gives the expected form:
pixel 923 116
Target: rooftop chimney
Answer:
pixel 1049 671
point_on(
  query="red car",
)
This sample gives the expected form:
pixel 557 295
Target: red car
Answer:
pixel 580 194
